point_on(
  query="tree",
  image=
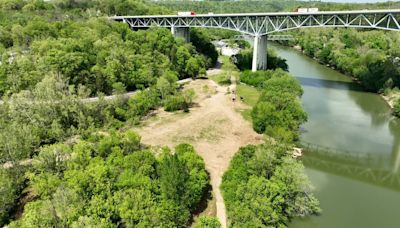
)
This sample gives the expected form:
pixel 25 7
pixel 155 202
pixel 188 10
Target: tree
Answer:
pixel 278 112
pixel 265 187
pixel 11 187
pixel 166 84
pixel 173 177
pixel 200 39
pixel 192 67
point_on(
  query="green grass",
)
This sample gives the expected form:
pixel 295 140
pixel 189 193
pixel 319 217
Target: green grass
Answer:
pixel 246 114
pixel 227 64
pixel 221 79
pixel 250 94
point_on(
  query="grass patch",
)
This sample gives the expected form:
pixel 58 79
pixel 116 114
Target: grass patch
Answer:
pixel 250 97
pixel 222 79
pixel 250 94
pixel 227 64
pixel 246 114
pixel 228 69
pixel 208 133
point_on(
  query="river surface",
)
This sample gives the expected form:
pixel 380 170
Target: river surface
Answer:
pixel 357 179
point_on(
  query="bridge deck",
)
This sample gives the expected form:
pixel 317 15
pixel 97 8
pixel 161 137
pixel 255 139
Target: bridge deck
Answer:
pixel 265 14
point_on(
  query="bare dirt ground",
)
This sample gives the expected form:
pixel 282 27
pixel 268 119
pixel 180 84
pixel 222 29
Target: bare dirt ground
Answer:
pixel 212 126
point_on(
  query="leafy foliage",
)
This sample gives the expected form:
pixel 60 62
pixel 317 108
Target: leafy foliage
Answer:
pixel 11 185
pixel 278 111
pixel 102 54
pixel 207 222
pixel 369 56
pixel 200 39
pixel 180 101
pixel 54 55
pixel 396 110
pixel 111 179
pixel 265 187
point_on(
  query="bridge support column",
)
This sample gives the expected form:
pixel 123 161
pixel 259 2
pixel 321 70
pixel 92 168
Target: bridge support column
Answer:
pixel 181 32
pixel 259 53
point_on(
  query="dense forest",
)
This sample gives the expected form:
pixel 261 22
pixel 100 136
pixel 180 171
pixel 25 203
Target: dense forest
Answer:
pixel 55 55
pixel 111 180
pixel 95 54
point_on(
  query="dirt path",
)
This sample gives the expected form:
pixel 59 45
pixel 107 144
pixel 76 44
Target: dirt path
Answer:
pixel 213 127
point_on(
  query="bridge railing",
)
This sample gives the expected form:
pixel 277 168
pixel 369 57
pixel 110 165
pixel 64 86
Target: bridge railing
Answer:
pixel 358 157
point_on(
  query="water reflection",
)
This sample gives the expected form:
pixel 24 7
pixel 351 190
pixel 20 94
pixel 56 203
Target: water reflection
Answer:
pixel 370 168
pixel 357 178
pixel 394 127
pixel 329 84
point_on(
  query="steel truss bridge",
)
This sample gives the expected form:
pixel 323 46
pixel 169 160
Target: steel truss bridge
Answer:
pixel 259 25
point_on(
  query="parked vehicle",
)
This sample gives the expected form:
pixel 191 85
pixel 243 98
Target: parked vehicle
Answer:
pixel 187 13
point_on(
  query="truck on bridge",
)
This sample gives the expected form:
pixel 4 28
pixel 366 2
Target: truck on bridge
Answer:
pixel 187 13
pixel 307 10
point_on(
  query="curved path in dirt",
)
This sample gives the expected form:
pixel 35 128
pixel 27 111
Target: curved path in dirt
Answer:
pixel 213 127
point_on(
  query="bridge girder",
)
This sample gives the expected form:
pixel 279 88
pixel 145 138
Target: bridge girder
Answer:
pixel 263 24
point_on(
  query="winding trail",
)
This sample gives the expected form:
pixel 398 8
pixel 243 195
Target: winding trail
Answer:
pixel 213 127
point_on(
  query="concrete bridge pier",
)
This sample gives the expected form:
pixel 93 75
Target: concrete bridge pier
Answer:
pixel 259 53
pixel 181 32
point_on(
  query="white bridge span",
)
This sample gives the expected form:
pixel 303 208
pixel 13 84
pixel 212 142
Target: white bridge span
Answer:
pixel 259 25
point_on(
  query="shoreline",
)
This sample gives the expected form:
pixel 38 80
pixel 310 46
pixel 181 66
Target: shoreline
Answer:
pixel 389 100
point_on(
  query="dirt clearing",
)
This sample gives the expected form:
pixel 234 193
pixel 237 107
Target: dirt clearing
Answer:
pixel 212 126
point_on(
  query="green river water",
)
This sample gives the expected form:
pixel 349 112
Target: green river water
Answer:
pixel 357 180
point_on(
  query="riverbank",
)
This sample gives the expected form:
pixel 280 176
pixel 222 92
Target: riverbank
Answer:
pixel 346 119
pixel 390 97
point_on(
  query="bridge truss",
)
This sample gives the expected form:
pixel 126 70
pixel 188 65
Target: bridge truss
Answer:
pixel 258 24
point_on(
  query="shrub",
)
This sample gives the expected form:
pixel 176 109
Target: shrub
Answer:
pixel 396 109
pixel 174 103
pixel 180 101
pixel 142 102
pixel 207 222
pixel 255 79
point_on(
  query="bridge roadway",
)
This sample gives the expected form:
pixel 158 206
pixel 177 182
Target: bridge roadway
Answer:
pixel 260 25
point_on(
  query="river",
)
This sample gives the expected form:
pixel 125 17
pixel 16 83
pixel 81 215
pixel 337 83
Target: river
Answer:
pixel 357 182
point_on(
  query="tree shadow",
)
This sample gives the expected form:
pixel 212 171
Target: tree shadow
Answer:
pixel 330 84
pixel 205 201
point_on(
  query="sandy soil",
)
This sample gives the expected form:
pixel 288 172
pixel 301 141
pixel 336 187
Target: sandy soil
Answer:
pixel 213 127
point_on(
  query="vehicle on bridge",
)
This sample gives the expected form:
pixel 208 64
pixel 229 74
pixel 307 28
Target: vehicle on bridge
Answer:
pixel 187 13
pixel 260 25
pixel 307 10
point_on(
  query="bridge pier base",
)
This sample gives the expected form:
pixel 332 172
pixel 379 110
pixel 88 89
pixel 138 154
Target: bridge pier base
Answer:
pixel 181 32
pixel 259 53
